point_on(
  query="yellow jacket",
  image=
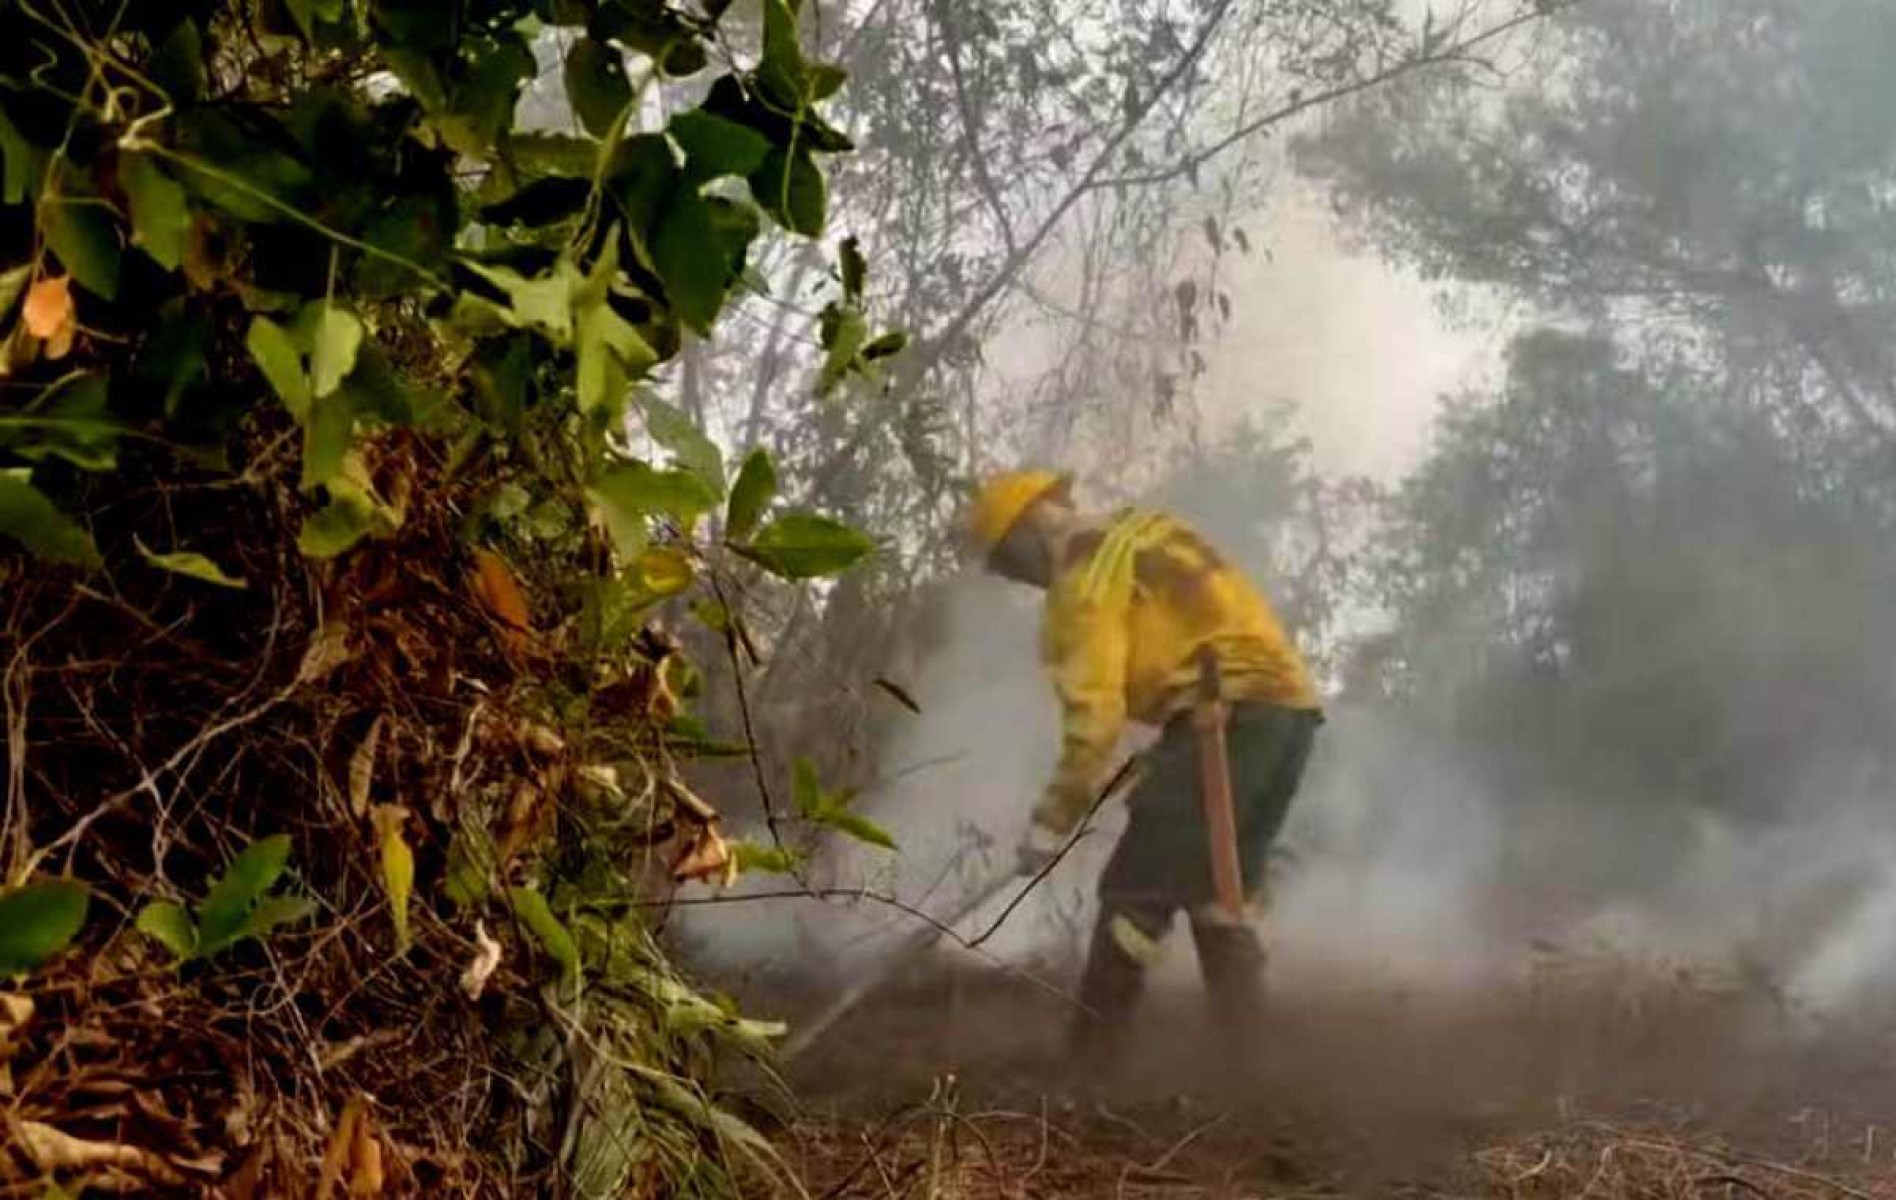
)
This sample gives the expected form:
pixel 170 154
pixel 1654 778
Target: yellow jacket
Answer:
pixel 1127 612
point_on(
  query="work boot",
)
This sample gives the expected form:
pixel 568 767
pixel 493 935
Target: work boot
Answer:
pixel 1110 989
pixel 1231 961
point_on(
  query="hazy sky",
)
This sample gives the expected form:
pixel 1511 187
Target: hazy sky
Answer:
pixel 1358 345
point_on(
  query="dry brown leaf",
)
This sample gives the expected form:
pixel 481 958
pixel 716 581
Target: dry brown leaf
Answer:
pixel 705 857
pixel 485 962
pixel 49 313
pixel 362 769
pixel 52 1150
pixel 366 1177
pixel 522 820
pixel 338 1156
pixel 499 593
pixel 694 805
pixel 245 1183
pixel 15 1012
pixel 541 741
pixel 328 650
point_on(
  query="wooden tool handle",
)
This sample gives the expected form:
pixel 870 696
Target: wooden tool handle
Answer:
pixel 1214 788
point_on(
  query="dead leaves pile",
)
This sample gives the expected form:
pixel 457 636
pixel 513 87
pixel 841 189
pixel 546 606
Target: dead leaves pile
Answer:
pixel 114 1133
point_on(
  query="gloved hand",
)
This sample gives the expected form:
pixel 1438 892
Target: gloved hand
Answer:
pixel 1038 848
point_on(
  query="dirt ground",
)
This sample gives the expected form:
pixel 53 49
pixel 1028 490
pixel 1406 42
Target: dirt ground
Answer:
pixel 1582 1078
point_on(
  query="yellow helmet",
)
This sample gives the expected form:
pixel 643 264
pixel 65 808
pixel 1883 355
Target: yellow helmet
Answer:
pixel 1005 499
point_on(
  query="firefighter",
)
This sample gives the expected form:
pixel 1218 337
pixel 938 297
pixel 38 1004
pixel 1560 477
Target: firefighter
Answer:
pixel 1132 600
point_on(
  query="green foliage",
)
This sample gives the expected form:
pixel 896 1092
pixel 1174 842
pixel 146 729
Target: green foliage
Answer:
pixel 79 230
pixel 756 486
pixel 238 907
pixel 601 250
pixel 32 520
pixel 537 915
pixel 770 860
pixel 37 921
pixel 805 546
pixel 596 84
pixel 357 292
pixel 189 563
pixel 161 219
pixel 831 810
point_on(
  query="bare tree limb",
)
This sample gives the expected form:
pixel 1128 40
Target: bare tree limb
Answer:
pixel 1444 56
pixel 970 133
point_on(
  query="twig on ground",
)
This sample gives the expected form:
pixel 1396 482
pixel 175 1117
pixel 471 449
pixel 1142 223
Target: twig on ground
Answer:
pixel 1112 785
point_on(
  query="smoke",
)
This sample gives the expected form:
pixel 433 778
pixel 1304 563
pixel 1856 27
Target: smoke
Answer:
pixel 1409 861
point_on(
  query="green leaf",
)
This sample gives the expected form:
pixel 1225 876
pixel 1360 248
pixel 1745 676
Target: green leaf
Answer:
pixel 825 79
pixel 689 446
pixel 664 571
pixel 554 154
pixel 465 880
pixel 232 898
pixel 611 355
pixel 887 346
pixel 805 546
pixel 544 302
pixel 29 518
pixel 772 860
pixel 755 487
pixel 309 12
pixel 715 147
pixel 635 490
pixel 271 913
pixel 188 562
pixel 177 65
pixel 373 391
pixel 161 219
pixel 844 331
pixel 332 529
pixel 596 85
pixel 483 100
pixel 24 163
pixel 805 789
pixel 281 363
pixel 170 926
pixel 791 188
pixel 38 920
pixel 610 351
pixel 71 422
pixel 687 736
pixel 781 73
pixel 857 826
pixel 534 912
pixel 174 355
pixel 12 286
pixel 685 252
pixel 82 234
pixel 326 436
pixel 855 270
pixel 334 341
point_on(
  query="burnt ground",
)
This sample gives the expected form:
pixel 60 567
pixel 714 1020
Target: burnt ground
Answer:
pixel 1583 1079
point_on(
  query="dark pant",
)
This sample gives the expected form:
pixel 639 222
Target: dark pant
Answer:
pixel 1163 864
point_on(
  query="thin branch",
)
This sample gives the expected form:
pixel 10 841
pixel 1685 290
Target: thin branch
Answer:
pixel 1112 785
pixel 1021 255
pixel 971 143
pixel 1456 52
pixel 750 730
